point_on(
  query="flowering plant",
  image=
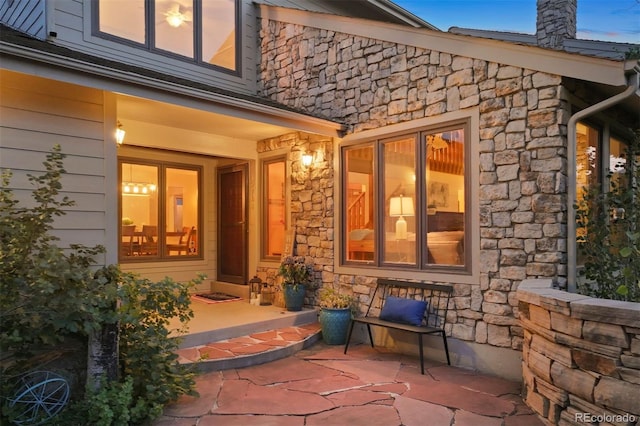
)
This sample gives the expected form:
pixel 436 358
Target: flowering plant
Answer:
pixel 295 271
pixel 332 299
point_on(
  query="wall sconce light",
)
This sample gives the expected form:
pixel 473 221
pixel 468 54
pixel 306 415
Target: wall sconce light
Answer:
pixel 307 159
pixel 120 134
pixel 399 207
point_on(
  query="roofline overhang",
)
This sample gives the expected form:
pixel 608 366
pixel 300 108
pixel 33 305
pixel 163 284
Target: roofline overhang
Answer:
pixel 402 14
pixel 50 65
pixel 597 70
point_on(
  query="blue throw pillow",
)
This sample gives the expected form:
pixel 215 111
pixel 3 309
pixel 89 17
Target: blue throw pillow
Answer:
pixel 405 311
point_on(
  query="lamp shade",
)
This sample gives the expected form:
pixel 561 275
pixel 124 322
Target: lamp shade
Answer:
pixel 401 206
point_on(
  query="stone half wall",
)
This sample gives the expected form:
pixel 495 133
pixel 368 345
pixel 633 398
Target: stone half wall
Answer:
pixel 581 356
pixel 368 84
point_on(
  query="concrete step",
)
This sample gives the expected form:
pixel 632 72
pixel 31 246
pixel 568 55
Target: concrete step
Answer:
pixel 255 348
pixel 286 319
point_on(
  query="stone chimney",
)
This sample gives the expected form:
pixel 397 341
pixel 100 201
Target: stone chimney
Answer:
pixel 556 22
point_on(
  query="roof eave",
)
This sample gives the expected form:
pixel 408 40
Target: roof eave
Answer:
pixel 240 107
pixel 598 70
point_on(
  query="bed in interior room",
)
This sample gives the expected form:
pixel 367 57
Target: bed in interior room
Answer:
pixel 445 241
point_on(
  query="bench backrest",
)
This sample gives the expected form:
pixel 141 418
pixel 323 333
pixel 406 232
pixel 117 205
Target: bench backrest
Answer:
pixel 437 297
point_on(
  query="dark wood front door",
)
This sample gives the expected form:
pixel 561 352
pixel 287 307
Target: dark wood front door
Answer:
pixel 232 224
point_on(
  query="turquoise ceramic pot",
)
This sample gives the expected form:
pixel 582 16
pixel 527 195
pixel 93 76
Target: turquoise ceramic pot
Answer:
pixel 294 297
pixel 334 324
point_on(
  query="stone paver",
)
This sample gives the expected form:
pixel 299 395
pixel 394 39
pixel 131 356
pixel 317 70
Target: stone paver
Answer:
pixel 322 386
pixel 246 345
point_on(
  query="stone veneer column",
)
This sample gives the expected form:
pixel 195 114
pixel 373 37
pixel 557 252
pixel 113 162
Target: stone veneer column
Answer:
pixel 312 200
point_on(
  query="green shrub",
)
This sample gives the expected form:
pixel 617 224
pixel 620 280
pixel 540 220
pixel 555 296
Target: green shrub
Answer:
pixel 609 233
pixel 50 295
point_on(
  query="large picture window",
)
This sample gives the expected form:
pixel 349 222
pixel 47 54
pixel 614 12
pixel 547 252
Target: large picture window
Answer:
pixel 160 211
pixel 204 31
pixel 404 200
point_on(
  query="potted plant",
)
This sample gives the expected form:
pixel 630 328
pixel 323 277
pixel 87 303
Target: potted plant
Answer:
pixel 335 315
pixel 296 275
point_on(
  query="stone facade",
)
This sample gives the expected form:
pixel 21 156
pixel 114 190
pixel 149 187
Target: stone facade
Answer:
pixel 368 84
pixel 581 356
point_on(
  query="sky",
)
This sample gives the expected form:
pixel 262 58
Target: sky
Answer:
pixel 608 20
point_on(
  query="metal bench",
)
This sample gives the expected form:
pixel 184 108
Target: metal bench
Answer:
pixel 433 320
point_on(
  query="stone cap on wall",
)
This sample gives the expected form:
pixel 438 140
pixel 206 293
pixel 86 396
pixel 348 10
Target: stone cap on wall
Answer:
pixel 540 292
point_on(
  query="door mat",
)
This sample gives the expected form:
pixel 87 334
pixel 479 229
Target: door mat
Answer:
pixel 215 297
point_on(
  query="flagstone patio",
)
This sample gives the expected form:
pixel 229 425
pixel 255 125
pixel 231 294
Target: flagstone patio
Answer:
pixel 322 386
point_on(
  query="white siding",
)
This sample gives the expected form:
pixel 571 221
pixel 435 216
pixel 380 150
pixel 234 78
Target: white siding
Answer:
pixel 36 114
pixel 71 20
pixel 27 16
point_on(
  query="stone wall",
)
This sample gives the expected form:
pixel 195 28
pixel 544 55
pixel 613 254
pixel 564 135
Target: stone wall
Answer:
pixel 367 84
pixel 581 356
pixel 312 203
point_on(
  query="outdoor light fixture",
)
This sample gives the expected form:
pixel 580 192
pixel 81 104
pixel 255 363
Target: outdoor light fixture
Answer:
pixel 399 207
pixel 120 134
pixel 307 159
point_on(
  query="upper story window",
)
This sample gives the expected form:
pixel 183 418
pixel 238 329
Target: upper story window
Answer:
pixel 404 202
pixel 203 31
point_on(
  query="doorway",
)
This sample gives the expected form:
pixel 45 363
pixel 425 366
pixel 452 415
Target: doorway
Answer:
pixel 232 224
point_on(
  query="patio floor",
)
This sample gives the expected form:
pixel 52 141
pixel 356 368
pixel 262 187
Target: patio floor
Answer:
pixel 322 386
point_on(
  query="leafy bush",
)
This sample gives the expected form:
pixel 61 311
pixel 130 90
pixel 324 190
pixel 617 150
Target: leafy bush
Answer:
pixel 50 295
pixel 609 233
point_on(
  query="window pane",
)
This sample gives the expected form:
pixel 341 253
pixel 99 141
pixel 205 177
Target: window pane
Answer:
pixel 139 210
pixel 123 18
pixel 617 161
pixel 274 217
pixel 359 198
pixel 587 158
pixel 445 197
pixel 399 201
pixel 181 215
pixel 174 26
pixel 219 33
pixel 588 166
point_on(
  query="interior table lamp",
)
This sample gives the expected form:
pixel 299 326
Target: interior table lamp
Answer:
pixel 399 207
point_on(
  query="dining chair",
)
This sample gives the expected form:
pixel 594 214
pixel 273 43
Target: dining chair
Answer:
pixel 129 245
pixel 149 240
pixel 183 242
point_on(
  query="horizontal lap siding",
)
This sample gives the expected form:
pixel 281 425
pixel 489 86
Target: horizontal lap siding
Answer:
pixel 36 114
pixel 27 16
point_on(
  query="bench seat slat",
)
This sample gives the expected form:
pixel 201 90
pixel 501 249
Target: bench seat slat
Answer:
pixel 399 326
